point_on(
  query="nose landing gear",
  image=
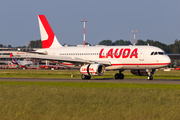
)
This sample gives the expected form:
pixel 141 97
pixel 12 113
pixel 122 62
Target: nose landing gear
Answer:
pixel 150 73
pixel 150 77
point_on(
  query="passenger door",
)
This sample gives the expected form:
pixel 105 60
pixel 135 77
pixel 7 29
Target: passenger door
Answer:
pixel 141 54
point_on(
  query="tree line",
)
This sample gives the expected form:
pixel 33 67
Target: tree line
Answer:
pixel 32 44
pixel 172 48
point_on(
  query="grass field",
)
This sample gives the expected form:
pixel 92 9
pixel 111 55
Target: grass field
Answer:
pixel 67 74
pixel 87 101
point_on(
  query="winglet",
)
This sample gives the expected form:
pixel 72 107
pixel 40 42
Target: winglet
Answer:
pixel 48 37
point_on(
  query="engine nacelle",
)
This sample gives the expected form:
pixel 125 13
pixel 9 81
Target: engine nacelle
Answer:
pixel 92 69
pixel 142 72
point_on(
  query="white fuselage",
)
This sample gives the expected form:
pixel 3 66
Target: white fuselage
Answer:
pixel 120 57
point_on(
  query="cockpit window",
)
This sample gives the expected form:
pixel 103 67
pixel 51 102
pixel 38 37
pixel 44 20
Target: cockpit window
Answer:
pixel 160 53
pixel 155 53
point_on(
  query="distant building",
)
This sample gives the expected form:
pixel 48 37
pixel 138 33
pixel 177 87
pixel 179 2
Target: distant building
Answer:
pixel 5 57
pixel 175 60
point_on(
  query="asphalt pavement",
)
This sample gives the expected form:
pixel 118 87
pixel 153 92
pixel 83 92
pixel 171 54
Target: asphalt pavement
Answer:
pixel 144 81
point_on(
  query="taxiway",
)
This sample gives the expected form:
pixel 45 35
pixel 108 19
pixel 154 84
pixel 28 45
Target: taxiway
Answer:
pixel 143 81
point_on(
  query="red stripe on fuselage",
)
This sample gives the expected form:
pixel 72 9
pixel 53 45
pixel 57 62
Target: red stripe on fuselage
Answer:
pixel 142 64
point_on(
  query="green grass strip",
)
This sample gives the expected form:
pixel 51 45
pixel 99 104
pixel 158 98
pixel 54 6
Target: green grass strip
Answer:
pixel 68 73
pixel 92 85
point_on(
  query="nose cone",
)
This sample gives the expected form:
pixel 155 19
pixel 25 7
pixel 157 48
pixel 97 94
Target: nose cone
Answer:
pixel 166 60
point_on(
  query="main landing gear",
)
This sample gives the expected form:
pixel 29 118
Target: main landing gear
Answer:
pixel 119 75
pixel 85 77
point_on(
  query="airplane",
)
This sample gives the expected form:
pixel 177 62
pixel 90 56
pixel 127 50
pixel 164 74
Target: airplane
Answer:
pixel 23 63
pixel 95 60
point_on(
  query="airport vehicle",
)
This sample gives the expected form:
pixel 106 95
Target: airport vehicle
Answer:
pixel 177 68
pixel 94 60
pixel 20 63
pixel 53 66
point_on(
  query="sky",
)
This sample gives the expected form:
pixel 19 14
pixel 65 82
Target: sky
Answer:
pixel 157 20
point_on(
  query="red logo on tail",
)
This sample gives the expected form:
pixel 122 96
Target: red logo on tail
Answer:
pixel 47 43
pixel 11 55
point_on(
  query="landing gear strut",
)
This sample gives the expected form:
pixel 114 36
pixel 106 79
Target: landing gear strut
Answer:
pixel 85 77
pixel 150 73
pixel 119 75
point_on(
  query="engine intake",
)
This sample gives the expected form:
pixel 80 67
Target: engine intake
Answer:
pixel 142 72
pixel 92 69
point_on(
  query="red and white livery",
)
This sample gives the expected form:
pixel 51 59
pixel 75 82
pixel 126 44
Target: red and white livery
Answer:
pixel 94 60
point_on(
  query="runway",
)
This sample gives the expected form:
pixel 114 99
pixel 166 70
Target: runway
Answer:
pixel 143 81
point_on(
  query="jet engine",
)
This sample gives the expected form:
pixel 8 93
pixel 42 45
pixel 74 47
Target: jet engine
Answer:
pixel 143 72
pixel 92 69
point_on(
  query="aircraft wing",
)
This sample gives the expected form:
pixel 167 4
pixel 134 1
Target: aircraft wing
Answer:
pixel 66 59
pixel 26 63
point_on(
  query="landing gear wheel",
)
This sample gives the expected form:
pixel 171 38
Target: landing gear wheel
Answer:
pixel 119 76
pixel 88 77
pixel 150 77
pixel 85 77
